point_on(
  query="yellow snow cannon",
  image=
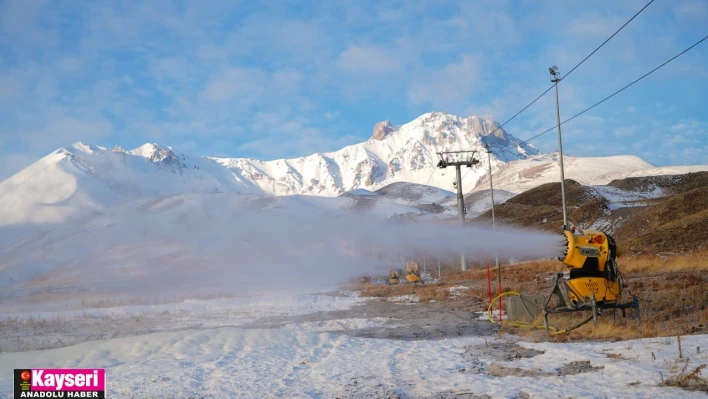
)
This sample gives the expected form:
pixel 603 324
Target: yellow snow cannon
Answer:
pixel 394 277
pixel 594 281
pixel 413 272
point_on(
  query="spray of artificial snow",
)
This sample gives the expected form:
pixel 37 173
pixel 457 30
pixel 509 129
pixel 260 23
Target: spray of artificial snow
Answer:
pixel 185 245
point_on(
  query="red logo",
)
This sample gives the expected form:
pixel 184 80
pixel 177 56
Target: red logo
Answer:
pixel 25 375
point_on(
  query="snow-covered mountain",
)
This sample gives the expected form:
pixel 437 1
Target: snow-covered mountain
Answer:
pixel 79 178
pixel 392 154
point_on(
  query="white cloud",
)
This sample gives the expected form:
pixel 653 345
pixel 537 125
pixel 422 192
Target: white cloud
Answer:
pixel 202 72
pixel 368 59
pixel 286 82
pixel 625 131
pixel 594 26
pixel 246 83
pixel 491 21
pixel 19 20
pixel 281 138
pixel 69 65
pixel 448 86
pixel 330 115
pixel 63 130
pixel 692 10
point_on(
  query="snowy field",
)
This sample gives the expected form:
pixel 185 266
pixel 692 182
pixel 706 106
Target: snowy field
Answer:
pixel 224 348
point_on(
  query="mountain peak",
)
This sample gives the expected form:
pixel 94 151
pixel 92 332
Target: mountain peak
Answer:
pixel 382 130
pixel 163 157
pixel 146 150
pixel 77 147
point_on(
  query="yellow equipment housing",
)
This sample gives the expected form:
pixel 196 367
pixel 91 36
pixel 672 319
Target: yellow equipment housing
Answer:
pixel 394 277
pixel 413 272
pixel 591 259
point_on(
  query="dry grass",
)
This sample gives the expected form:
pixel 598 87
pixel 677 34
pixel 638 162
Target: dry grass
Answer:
pixel 672 290
pixel 695 261
pixel 608 329
pixel 433 293
pixel 672 294
pixel 688 380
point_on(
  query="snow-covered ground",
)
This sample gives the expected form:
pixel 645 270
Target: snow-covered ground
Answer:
pixel 620 198
pixel 253 363
pixel 229 354
pixel 24 330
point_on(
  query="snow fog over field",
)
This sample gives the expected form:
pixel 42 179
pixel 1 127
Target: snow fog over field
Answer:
pixel 184 245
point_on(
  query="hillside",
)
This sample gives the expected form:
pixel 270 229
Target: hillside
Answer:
pixel 518 176
pixel 653 214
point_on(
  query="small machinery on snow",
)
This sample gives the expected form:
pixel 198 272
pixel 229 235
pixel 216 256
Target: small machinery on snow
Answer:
pixel 394 277
pixel 412 274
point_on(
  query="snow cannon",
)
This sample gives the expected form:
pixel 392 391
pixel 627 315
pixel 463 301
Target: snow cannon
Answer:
pixel 594 281
pixel 394 277
pixel 413 272
pixel 593 270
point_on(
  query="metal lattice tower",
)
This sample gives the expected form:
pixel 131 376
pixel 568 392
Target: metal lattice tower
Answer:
pixel 458 159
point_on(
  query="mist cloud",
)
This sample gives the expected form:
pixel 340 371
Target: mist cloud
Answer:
pixel 198 244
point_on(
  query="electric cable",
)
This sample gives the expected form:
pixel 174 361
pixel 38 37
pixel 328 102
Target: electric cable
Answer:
pixel 506 149
pixel 608 39
pixel 551 87
pixel 572 69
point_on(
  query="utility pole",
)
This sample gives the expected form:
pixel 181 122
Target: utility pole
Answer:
pixel 494 223
pixel 439 274
pixel 457 159
pixel 555 78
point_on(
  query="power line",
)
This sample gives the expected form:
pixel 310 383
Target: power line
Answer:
pixel 572 69
pixel 566 75
pixel 608 39
pixel 431 176
pixel 506 149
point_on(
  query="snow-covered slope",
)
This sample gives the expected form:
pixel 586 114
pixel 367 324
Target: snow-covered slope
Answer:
pixel 78 179
pixel 480 201
pixel 521 175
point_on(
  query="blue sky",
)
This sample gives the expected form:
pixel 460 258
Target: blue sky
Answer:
pixel 281 79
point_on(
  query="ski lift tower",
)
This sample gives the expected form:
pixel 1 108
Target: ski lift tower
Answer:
pixel 458 159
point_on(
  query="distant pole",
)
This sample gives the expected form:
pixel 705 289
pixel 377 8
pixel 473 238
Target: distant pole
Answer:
pixel 460 197
pixel 491 184
pixel 555 78
pixel 439 274
pixel 461 213
pixel 494 223
pixel 469 162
